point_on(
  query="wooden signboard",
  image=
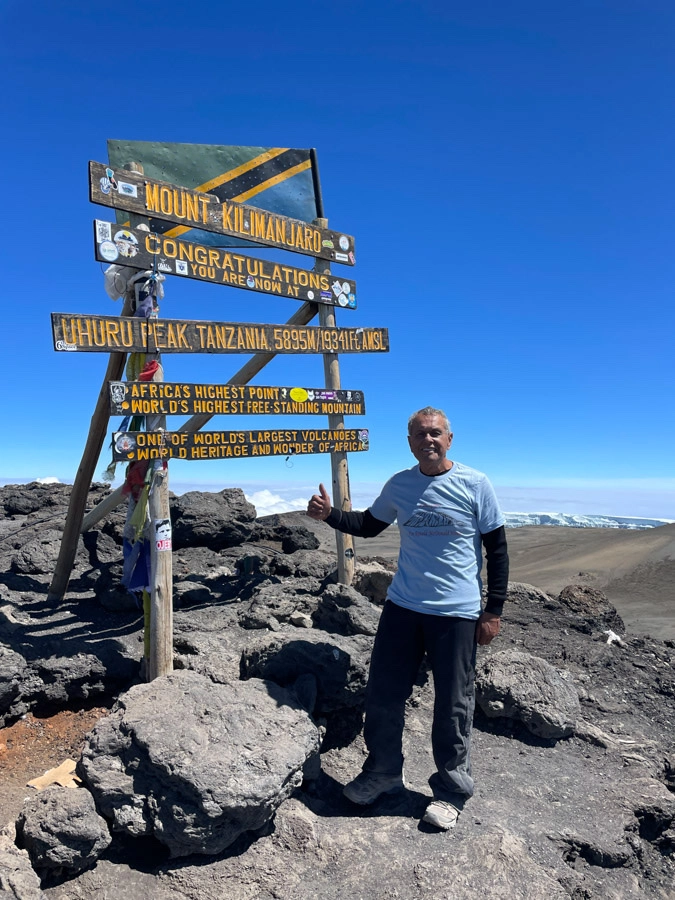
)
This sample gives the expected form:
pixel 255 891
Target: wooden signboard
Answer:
pixel 172 256
pixel 201 445
pixel 77 332
pixel 160 200
pixel 170 398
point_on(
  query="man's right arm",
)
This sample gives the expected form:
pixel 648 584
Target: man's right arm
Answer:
pixel 360 524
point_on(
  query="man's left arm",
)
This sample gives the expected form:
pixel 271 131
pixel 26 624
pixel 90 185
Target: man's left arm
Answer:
pixel 497 559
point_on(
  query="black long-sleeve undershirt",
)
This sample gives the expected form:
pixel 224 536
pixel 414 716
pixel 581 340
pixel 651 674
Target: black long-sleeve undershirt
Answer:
pixel 365 525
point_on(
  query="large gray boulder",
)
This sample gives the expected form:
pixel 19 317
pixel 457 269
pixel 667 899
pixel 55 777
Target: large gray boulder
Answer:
pixel 61 830
pixel 195 763
pixel 18 880
pixel 202 519
pixel 515 685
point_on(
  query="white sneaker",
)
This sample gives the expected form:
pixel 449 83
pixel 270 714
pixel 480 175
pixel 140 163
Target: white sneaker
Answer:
pixel 441 814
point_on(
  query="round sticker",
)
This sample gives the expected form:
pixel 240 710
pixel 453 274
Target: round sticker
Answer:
pixel 126 243
pixel 250 281
pixel 108 251
pixel 343 300
pixel 343 242
pixel 299 395
pixel 310 295
pixel 124 443
pixel 345 287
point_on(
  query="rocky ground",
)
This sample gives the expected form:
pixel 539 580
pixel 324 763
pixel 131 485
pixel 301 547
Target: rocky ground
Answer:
pixel 224 779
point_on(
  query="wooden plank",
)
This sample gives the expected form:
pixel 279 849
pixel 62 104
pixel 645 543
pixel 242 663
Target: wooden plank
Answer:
pixel 172 256
pixel 78 332
pixel 201 445
pixel 172 398
pixel 165 202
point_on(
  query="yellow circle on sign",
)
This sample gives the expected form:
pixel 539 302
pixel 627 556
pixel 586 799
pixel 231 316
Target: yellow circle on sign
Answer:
pixel 299 395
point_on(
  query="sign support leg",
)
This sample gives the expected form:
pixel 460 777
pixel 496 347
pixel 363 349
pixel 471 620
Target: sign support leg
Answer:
pixel 85 474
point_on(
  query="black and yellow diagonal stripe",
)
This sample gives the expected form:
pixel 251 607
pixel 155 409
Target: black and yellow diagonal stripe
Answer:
pixel 251 178
pixel 278 179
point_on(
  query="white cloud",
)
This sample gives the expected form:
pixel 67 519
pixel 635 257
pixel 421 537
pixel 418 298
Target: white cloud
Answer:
pixel 267 503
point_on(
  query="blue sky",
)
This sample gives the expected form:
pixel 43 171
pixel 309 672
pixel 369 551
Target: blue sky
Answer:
pixel 506 169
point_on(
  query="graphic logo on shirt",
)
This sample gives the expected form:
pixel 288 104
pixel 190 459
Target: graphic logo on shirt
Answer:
pixel 428 518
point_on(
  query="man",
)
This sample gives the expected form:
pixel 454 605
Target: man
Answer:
pixel 445 511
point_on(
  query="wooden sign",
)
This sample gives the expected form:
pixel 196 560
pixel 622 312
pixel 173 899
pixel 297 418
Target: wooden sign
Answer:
pixel 136 445
pixel 74 332
pixel 171 256
pixel 164 202
pixel 170 398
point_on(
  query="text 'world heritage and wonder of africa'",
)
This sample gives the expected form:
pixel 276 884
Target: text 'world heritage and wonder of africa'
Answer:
pixel 204 445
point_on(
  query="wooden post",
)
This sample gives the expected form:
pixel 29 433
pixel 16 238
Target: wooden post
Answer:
pixel 249 370
pixel 338 461
pixel 161 569
pixel 161 555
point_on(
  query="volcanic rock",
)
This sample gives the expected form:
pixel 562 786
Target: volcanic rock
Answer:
pixel 18 880
pixel 60 829
pixel 590 609
pixel 291 535
pixel 515 685
pixel 211 520
pixel 195 763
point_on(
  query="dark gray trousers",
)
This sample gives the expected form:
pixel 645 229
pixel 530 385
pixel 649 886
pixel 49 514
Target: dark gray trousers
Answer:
pixel 402 639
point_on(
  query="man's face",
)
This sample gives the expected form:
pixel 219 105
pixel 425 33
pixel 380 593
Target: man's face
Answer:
pixel 429 442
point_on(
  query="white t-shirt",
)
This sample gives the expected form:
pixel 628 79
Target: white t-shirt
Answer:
pixel 441 519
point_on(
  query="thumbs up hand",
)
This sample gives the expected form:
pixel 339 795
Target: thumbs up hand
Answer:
pixel 319 506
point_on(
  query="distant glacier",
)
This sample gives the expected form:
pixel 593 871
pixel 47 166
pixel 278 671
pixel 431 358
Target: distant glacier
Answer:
pixel 519 520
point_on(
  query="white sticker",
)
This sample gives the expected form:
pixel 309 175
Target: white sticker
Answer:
pixel 103 231
pixel 343 242
pixel 341 257
pixel 108 251
pixel 163 534
pixel 181 267
pixel 345 287
pixel 61 345
pixel 129 190
pixel 310 295
pixel 337 288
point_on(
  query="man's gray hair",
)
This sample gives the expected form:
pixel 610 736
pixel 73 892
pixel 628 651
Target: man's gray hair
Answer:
pixel 430 411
